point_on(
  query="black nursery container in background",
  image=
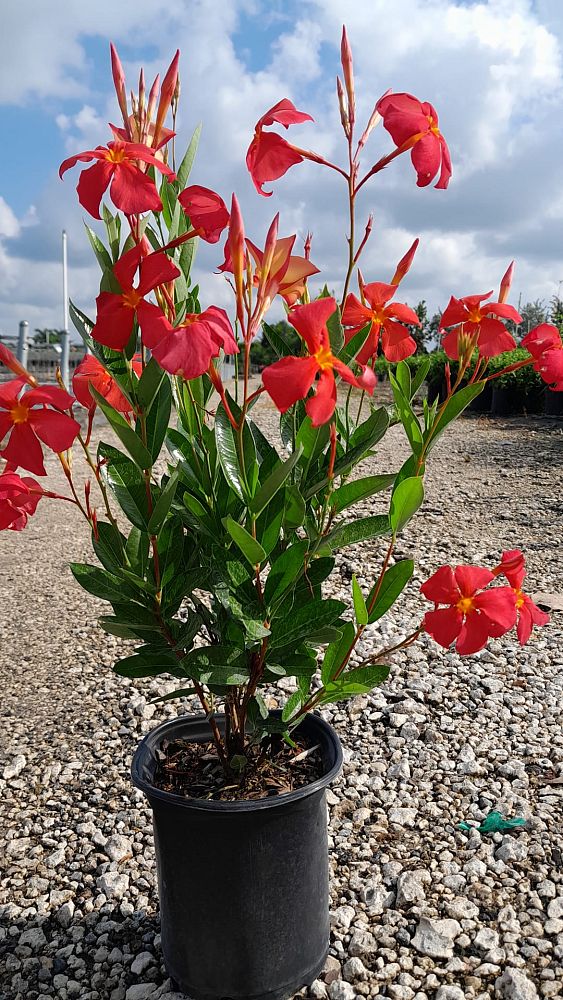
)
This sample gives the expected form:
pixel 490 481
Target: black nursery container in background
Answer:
pixel 243 885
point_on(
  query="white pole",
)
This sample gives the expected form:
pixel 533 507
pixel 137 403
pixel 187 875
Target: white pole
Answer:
pixel 22 343
pixel 65 345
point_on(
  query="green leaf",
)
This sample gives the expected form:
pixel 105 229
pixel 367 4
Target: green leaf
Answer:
pixel 102 255
pixel 157 419
pixel 335 653
pixel 292 705
pixel 149 383
pixel 99 582
pixel 456 405
pixel 227 452
pixel 179 693
pixel 358 531
pixel 355 344
pixel 362 680
pixel 304 621
pixel 406 499
pixel 109 546
pixel 220 662
pixel 360 610
pixel 137 550
pixel 394 582
pixel 147 663
pixel 360 489
pixel 279 345
pixel 185 167
pixel 163 505
pixel 403 379
pixel 127 485
pixel 421 373
pixel 284 571
pixel 274 482
pixel 250 548
pixel 140 455
pixel 407 415
pixel 294 513
pixel 335 332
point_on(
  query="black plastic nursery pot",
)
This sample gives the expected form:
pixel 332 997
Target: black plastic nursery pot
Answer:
pixel 554 403
pixel 243 886
pixel 505 402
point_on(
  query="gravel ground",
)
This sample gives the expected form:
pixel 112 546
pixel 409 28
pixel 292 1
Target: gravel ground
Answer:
pixel 420 909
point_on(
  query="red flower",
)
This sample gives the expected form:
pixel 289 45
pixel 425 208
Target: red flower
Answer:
pixel 288 272
pixel 473 614
pixel 186 350
pixel 396 340
pixel 131 190
pixel 117 312
pixel 18 500
pixel 28 421
pixel 512 567
pixel 411 122
pixel 207 211
pixel 290 379
pixel 545 346
pixel 91 372
pixel 269 156
pixel 473 319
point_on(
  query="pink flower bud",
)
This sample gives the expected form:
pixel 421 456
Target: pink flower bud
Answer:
pixel 348 70
pixel 506 283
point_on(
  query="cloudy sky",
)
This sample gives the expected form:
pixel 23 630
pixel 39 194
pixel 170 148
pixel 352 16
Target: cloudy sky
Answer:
pixel 493 70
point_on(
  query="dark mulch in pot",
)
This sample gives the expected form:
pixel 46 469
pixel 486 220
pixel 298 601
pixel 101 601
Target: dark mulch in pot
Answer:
pixel 194 770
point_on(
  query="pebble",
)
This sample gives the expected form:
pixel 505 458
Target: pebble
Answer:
pixel 341 990
pixel 515 985
pixel 411 887
pixel 14 768
pixel 117 848
pixel 436 937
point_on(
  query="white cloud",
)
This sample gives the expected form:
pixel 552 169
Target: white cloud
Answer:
pixel 492 69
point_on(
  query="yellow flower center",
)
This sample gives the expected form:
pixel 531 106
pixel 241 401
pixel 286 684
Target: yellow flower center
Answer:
pixel 433 125
pixel 475 315
pixel 116 155
pixel 465 605
pixel 19 413
pixel 324 358
pixel 519 598
pixel 131 298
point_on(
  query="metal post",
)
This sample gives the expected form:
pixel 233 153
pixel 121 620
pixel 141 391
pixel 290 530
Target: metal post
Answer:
pixel 65 339
pixel 22 343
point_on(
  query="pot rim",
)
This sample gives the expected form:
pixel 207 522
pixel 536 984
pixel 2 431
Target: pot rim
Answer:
pixel 152 739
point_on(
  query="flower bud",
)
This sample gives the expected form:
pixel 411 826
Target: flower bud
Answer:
pixel 506 283
pixel 348 70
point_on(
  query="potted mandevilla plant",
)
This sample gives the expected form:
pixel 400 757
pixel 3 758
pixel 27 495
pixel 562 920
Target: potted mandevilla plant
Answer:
pixel 213 542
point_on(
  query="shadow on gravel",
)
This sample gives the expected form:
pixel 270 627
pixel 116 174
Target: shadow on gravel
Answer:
pixel 101 955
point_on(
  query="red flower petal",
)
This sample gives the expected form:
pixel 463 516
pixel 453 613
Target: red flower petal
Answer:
pixel 473 635
pixel 288 380
pixel 320 407
pixel 494 338
pixel 56 430
pixel 426 158
pixel 310 322
pixel 269 157
pixel 50 394
pixel 156 269
pixel 285 113
pixel 455 312
pixel 207 211
pixel 502 311
pixel 378 293
pixel 450 343
pixel 114 321
pixel 133 191
pixel 471 579
pixel 499 605
pixel 443 625
pixel 446 171
pixel 397 342
pixel 441 587
pixel 23 450
pixel 355 314
pixel 92 184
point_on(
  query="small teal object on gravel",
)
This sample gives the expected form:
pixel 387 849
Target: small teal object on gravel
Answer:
pixel 494 823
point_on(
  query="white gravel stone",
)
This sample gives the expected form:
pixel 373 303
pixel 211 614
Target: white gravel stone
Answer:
pixel 362 943
pixel 436 937
pixel 354 969
pixel 555 909
pixel 113 884
pixel 141 963
pixel 117 847
pixel 14 768
pixel 450 993
pixel 141 991
pixel 515 985
pixel 34 937
pixel 341 990
pixel 343 916
pixel 411 887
